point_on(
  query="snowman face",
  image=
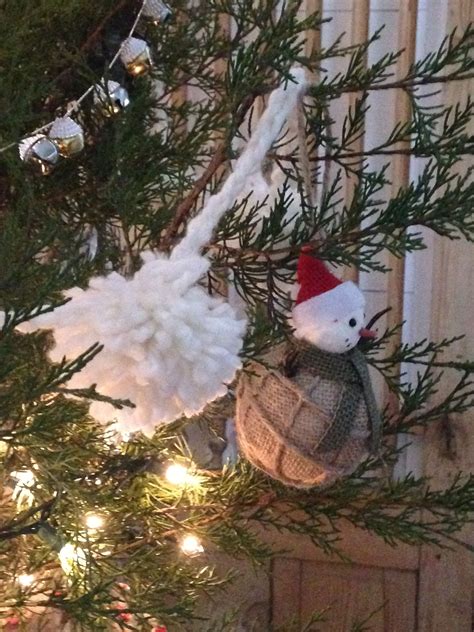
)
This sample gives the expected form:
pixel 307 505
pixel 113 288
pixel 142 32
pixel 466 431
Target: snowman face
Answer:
pixel 337 335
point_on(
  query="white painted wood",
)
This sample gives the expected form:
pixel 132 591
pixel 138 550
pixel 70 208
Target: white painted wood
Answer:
pixel 377 5
pixel 381 115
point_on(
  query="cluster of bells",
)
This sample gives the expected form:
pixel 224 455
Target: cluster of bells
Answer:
pixel 66 137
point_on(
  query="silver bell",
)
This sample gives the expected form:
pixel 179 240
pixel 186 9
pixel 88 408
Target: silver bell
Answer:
pixel 136 56
pixel 67 135
pixel 156 11
pixel 40 152
pixel 113 99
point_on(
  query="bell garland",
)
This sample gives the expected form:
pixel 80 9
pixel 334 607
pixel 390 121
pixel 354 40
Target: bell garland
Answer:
pixel 66 136
pixel 65 139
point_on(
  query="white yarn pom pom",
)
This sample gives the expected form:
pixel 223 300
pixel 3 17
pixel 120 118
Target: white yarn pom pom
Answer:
pixel 169 346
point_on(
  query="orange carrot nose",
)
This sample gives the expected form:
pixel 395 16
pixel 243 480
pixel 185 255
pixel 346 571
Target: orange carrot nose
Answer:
pixel 367 333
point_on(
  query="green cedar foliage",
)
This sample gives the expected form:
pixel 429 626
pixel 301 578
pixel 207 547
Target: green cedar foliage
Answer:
pixel 142 184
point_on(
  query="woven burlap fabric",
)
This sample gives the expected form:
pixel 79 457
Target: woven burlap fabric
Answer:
pixel 309 428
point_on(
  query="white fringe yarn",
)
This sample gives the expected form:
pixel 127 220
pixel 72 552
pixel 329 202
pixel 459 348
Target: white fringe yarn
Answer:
pixel 168 345
pixel 280 104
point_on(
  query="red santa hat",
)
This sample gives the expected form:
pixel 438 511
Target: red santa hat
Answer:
pixel 322 296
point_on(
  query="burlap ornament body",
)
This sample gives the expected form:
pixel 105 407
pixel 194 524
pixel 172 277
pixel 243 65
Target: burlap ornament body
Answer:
pixel 310 420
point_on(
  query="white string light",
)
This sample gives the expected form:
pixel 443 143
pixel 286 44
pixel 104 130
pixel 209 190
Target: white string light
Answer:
pixel 22 494
pixel 72 558
pixel 94 521
pixel 73 106
pixel 176 474
pixel 180 475
pixel 25 580
pixel 191 545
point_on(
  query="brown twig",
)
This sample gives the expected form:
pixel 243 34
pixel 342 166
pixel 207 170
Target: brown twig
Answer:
pixel 185 207
pixel 187 204
pixel 368 153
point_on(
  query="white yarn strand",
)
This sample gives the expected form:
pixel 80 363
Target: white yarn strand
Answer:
pixel 280 104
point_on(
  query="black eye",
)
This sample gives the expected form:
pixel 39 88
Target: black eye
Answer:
pixel 352 322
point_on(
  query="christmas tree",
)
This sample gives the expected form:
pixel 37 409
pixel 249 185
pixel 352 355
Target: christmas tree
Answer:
pixel 164 178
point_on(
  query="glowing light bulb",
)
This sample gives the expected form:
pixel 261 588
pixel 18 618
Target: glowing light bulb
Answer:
pixel 94 521
pixel 191 545
pixel 24 477
pixel 22 494
pixel 139 69
pixel 72 558
pixel 25 580
pixel 177 474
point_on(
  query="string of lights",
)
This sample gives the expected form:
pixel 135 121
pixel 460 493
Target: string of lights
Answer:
pixel 71 556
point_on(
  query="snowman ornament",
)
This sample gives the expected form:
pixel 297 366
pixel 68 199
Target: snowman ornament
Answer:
pixel 329 313
pixel 311 418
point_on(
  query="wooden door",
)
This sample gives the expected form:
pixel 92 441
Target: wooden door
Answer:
pixel 401 589
pixel 379 588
